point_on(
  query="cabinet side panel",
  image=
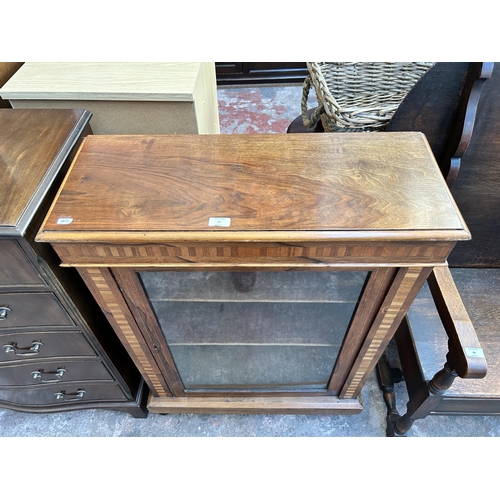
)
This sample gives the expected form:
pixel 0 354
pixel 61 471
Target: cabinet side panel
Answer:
pixel 205 100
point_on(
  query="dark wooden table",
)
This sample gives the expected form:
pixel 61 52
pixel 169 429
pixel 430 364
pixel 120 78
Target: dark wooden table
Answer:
pixel 202 231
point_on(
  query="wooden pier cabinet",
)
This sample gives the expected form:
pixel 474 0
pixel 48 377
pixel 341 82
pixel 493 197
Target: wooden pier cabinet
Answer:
pixel 259 273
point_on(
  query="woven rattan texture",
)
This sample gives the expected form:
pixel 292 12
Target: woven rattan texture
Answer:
pixel 358 96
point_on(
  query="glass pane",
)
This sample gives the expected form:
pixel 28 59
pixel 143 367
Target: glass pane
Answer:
pixel 262 330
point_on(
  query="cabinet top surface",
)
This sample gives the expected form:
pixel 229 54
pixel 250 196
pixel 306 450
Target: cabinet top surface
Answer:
pixel 110 81
pixel 384 186
pixel 33 146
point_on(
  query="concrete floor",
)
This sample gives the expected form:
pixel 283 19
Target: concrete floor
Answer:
pixel 369 423
pixel 259 110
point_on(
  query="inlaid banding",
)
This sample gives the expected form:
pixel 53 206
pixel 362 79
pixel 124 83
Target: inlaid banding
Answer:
pixel 125 329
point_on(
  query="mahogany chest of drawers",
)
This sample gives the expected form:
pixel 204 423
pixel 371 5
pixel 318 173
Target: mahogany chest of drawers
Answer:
pixel 57 351
pixel 262 273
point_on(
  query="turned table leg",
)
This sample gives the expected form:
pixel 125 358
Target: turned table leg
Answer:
pixel 417 408
pixel 387 376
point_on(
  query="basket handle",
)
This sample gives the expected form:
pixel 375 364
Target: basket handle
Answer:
pixel 315 117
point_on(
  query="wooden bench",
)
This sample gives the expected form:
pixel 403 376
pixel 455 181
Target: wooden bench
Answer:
pixel 461 307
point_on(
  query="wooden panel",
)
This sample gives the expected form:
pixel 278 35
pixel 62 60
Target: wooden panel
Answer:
pixel 7 69
pixel 405 287
pixel 149 332
pixel 54 344
pixel 30 142
pixel 287 182
pixel 273 254
pixel 252 73
pixel 43 395
pixel 256 405
pixel 100 283
pixel 125 98
pixel 20 374
pixel 205 101
pixel 16 269
pixel 477 187
pixel 33 310
pixel 375 290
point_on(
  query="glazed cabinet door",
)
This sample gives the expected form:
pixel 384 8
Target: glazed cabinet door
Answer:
pixel 246 331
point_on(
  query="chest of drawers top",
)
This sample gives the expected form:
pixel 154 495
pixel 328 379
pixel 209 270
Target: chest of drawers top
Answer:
pixel 33 146
pixel 235 188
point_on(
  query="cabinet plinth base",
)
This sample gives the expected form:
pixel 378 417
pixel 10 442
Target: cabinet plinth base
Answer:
pixel 256 405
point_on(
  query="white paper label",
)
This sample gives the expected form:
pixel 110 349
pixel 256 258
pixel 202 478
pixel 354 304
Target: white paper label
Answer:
pixel 474 352
pixel 64 220
pixel 219 221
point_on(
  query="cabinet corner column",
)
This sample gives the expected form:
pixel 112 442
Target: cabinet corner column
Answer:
pixel 396 303
pixel 105 290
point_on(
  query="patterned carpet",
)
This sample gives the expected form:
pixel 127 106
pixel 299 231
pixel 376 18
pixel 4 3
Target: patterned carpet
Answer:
pixel 259 110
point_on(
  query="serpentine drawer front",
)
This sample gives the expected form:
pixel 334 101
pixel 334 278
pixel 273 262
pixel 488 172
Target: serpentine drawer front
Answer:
pixel 259 273
pixel 45 372
pixel 19 310
pixel 57 351
pixel 40 344
pixel 42 398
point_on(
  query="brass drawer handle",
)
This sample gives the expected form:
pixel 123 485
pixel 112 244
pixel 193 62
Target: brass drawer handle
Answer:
pixel 61 395
pixel 33 350
pixel 59 373
pixel 4 311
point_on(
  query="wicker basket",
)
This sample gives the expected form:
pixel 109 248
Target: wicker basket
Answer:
pixel 358 96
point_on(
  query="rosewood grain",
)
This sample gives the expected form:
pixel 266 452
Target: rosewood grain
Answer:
pixel 331 182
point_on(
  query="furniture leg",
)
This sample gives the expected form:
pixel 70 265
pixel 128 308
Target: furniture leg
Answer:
pixel 416 409
pixel 387 377
pixel 465 357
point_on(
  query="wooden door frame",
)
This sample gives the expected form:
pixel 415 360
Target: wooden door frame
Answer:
pixel 387 293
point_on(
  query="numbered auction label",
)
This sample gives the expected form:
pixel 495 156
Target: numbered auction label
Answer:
pixel 219 221
pixel 64 220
